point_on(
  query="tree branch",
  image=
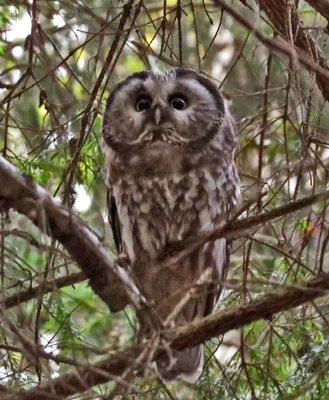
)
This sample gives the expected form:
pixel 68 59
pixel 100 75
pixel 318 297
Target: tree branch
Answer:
pixel 295 53
pixel 186 336
pixel 23 194
pixel 278 13
pixel 234 229
pixel 44 287
pixel 20 192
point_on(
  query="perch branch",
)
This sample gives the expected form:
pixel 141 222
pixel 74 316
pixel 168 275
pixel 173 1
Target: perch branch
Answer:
pixel 186 336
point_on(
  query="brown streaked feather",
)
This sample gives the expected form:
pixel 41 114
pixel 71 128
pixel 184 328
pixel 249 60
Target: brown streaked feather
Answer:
pixel 171 178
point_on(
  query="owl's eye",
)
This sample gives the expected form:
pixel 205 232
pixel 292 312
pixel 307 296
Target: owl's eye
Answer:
pixel 144 103
pixel 178 103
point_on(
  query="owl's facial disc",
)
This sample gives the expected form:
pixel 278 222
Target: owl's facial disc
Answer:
pixel 179 108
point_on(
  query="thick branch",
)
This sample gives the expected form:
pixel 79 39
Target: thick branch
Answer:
pixel 187 336
pixel 20 192
pixel 221 322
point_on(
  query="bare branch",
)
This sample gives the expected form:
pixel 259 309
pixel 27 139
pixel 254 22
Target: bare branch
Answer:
pixel 44 287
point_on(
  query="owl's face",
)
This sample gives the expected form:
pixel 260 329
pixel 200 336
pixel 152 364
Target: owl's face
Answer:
pixel 180 108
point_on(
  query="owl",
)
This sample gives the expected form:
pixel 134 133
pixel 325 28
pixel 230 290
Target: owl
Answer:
pixel 169 143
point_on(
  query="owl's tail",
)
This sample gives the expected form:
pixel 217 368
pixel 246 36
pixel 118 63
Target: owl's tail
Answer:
pixel 186 364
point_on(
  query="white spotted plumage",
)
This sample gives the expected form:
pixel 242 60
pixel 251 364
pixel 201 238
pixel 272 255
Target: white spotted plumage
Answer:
pixel 171 175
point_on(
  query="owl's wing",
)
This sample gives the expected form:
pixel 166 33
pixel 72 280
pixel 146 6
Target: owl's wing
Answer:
pixel 221 260
pixel 114 221
pixel 223 271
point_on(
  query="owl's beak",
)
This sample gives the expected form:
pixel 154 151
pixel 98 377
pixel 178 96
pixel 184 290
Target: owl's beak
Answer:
pixel 157 115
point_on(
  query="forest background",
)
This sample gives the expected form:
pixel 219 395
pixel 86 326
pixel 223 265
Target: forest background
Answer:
pixel 59 60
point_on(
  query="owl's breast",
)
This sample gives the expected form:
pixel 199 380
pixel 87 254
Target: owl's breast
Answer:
pixel 159 160
pixel 155 211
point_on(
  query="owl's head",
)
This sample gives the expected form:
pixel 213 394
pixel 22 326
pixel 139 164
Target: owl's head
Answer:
pixel 180 108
